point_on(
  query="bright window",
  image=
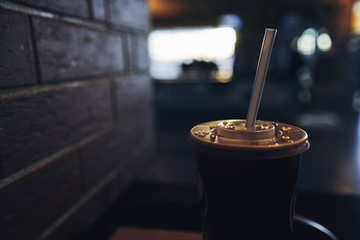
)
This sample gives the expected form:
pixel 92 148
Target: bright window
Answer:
pixel 170 48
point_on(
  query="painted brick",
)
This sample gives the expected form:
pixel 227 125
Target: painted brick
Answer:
pixel 116 187
pixel 87 213
pixel 129 51
pixel 131 13
pixel 137 50
pixel 68 51
pixel 140 154
pixel 16 63
pixel 36 126
pixel 98 9
pixel 78 8
pixel 131 172
pixel 104 154
pixel 132 94
pixel 101 156
pixel 30 205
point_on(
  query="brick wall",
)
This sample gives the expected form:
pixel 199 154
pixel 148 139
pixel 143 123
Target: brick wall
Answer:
pixel 75 111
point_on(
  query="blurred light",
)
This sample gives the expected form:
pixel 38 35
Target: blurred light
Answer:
pixel 304 96
pixel 324 42
pixel 357 148
pixel 185 44
pixel 293 43
pixel 170 48
pixel 354 44
pixel 356 101
pixel 355 21
pixel 306 42
pixel 319 120
pixel 292 19
pixel 231 20
pixel 224 75
pixel 304 76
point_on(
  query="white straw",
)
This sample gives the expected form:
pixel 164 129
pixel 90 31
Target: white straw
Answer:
pixel 259 82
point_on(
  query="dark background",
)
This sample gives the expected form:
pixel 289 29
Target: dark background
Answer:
pixel 329 114
pixel 329 180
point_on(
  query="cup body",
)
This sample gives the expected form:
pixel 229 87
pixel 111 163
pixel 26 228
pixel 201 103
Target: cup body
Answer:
pixel 245 199
pixel 247 185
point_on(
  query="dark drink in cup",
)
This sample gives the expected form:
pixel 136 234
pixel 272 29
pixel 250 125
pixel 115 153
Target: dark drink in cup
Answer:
pixel 247 178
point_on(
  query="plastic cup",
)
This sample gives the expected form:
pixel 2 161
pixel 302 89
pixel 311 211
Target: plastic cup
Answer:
pixel 247 178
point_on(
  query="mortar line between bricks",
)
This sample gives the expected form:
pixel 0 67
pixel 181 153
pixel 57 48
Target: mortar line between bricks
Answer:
pixel 34 51
pixel 51 87
pixel 113 99
pixel 90 194
pixel 90 11
pixel 34 90
pixel 99 25
pixel 129 65
pixel 80 171
pixel 106 5
pixel 61 153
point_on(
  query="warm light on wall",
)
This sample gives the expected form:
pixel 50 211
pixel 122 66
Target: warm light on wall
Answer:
pixel 167 8
pixel 355 21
